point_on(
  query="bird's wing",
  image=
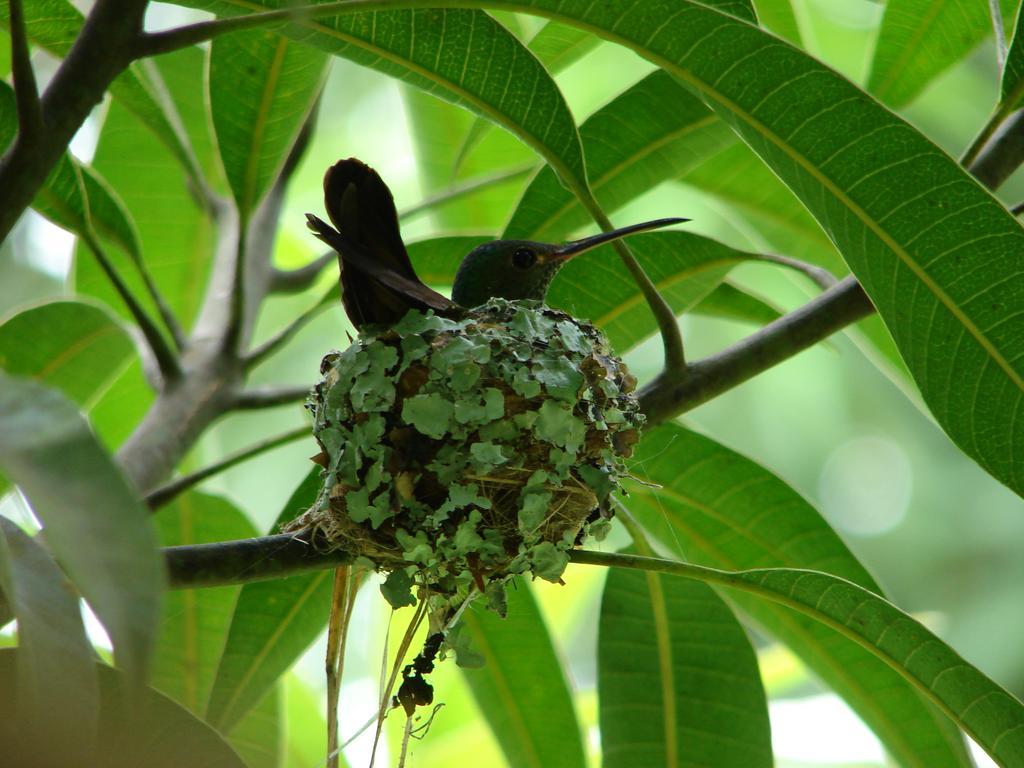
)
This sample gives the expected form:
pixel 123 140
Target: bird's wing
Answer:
pixel 360 206
pixel 368 273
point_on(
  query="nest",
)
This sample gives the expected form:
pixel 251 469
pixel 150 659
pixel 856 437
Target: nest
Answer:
pixel 467 451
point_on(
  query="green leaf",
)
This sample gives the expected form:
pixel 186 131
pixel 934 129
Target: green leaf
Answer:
pixel 719 509
pixel 920 39
pixel 741 9
pixel 1011 91
pixel 74 347
pixel 67 345
pixel 678 681
pixel 55 685
pixel 195 622
pixel 557 45
pixel 80 350
pixel 258 737
pixel 94 522
pixel 273 623
pixel 54 25
pixel 74 196
pixel 778 16
pixel 521 689
pixel 936 253
pixel 136 727
pixel 652 132
pixel 730 302
pixel 742 182
pixel 262 87
pixel 430 48
pixel 989 714
pixel 307 731
pixel 176 236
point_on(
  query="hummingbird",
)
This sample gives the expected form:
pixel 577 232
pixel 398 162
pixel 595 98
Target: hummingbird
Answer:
pixel 378 282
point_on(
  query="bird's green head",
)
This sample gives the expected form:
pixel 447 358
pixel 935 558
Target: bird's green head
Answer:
pixel 523 269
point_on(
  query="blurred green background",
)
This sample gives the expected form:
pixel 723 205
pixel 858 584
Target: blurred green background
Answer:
pixel 945 539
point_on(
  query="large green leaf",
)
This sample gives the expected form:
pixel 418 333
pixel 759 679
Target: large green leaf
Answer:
pixel 717 508
pixel 262 86
pixel 652 132
pixel 258 737
pixel 176 235
pixel 678 681
pixel 273 623
pixel 729 302
pixel 557 45
pixel 521 688
pixel 1011 90
pixel 778 16
pixel 433 49
pixel 136 727
pixel 94 522
pixel 936 253
pixel 987 712
pixel 195 622
pixel 74 347
pixel 56 690
pixel 742 182
pixel 920 39
pixel 74 196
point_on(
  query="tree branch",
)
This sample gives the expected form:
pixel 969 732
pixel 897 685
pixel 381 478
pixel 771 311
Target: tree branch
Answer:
pixel 297 280
pixel 667 396
pixel 166 360
pixel 165 494
pixel 30 116
pixel 286 334
pixel 998 151
pixel 820 276
pixel 269 397
pixel 466 188
pixel 155 43
pixel 99 54
pixel 668 324
pixel 246 560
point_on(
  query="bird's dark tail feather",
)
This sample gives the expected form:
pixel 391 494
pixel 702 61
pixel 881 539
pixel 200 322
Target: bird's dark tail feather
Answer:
pixel 376 277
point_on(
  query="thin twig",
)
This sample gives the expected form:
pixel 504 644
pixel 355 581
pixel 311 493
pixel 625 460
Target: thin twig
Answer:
pixel 30 115
pixel 282 337
pixel 297 280
pixel 466 188
pixel 269 397
pixel 165 494
pixel 844 303
pixel 165 358
pixel 1018 209
pixel 820 276
pixel 668 325
pixel 337 629
pixel 155 43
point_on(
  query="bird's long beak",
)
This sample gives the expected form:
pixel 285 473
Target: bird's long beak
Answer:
pixel 577 247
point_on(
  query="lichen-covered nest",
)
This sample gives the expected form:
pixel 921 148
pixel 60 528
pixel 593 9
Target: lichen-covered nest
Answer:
pixel 466 451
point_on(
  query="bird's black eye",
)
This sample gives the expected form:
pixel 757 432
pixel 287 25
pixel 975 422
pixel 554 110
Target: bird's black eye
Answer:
pixel 523 258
